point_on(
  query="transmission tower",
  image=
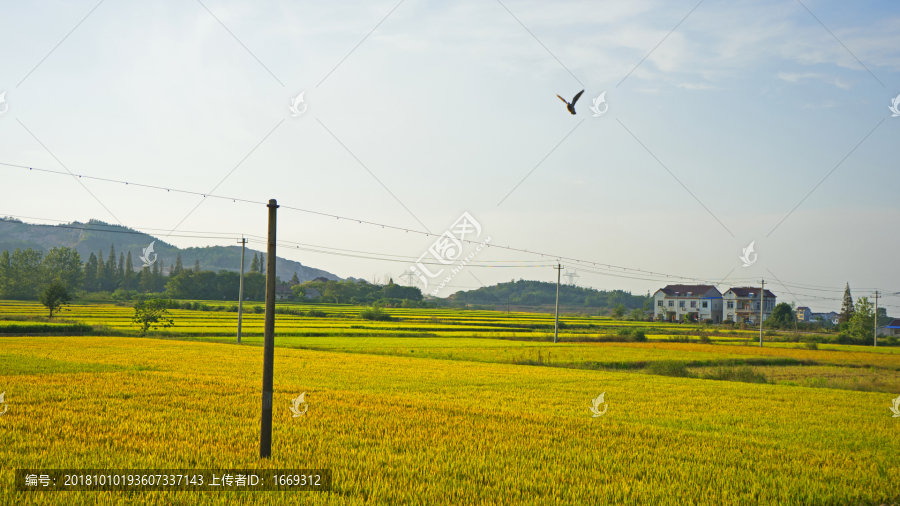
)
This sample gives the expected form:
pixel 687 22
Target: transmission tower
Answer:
pixel 409 276
pixel 570 277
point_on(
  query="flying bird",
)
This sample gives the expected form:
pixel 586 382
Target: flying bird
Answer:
pixel 571 107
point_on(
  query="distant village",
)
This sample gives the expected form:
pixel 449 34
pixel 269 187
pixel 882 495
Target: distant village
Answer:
pixel 739 305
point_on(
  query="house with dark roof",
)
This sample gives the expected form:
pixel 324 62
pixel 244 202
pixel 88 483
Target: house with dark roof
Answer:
pixel 678 302
pixel 891 329
pixel 825 317
pixel 283 291
pixel 743 304
pixel 803 314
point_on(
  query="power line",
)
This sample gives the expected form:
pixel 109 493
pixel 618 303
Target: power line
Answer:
pixel 406 230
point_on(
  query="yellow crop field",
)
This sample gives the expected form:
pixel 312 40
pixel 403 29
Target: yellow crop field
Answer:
pixel 399 421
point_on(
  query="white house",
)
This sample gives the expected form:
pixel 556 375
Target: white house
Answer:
pixel 674 302
pixel 743 303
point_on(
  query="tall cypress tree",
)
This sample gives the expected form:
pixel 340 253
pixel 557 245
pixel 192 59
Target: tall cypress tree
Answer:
pixel 846 306
pixel 178 266
pixel 121 270
pixel 146 284
pixel 128 274
pixel 111 269
pixel 197 266
pixel 90 274
pixel 262 263
pixel 101 272
pixel 254 265
pixel 156 278
pixel 5 273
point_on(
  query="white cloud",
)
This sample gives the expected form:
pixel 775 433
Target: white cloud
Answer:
pixel 797 77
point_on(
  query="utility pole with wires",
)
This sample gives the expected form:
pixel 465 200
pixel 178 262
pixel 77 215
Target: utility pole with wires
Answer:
pixel 762 303
pixel 875 337
pixel 556 327
pixel 243 242
pixel 265 433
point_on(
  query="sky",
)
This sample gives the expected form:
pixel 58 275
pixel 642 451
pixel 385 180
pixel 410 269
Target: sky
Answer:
pixel 725 124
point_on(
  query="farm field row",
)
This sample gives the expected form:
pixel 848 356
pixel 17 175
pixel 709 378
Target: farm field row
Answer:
pixel 410 430
pixel 344 317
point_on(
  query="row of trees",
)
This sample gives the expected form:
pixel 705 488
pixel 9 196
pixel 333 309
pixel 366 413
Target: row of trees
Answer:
pixel 109 275
pixel 537 293
pixel 357 292
pixel 856 321
pixel 25 274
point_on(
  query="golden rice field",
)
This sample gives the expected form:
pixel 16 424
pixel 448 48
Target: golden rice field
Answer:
pixel 456 418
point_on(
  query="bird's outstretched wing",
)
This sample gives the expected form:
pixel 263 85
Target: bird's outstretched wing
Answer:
pixel 576 97
pixel 564 100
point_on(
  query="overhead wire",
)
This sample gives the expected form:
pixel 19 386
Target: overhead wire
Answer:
pixel 583 265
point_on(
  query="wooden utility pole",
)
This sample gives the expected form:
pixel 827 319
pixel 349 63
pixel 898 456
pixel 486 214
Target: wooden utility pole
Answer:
pixel 875 338
pixel 556 327
pixel 241 290
pixel 265 434
pixel 762 304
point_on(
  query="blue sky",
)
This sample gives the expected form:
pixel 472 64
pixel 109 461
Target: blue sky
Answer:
pixel 450 105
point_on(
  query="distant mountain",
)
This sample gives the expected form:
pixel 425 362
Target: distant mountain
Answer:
pixel 96 236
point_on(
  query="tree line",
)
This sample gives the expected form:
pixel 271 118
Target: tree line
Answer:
pixel 25 274
pixel 537 293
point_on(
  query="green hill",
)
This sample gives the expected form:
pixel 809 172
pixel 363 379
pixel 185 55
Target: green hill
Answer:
pixel 97 236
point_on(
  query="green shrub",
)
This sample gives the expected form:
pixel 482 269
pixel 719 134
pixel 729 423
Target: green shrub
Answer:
pixel 705 339
pixel 812 346
pixel 668 368
pixel 637 336
pixel 42 328
pixel 744 374
pixel 624 331
pixel 374 313
pixel 315 313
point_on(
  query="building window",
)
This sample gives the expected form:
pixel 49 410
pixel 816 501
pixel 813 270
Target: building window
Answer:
pixel 757 305
pixel 680 303
pixel 730 304
pixel 671 303
pixel 705 304
pixel 693 303
pixel 659 303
